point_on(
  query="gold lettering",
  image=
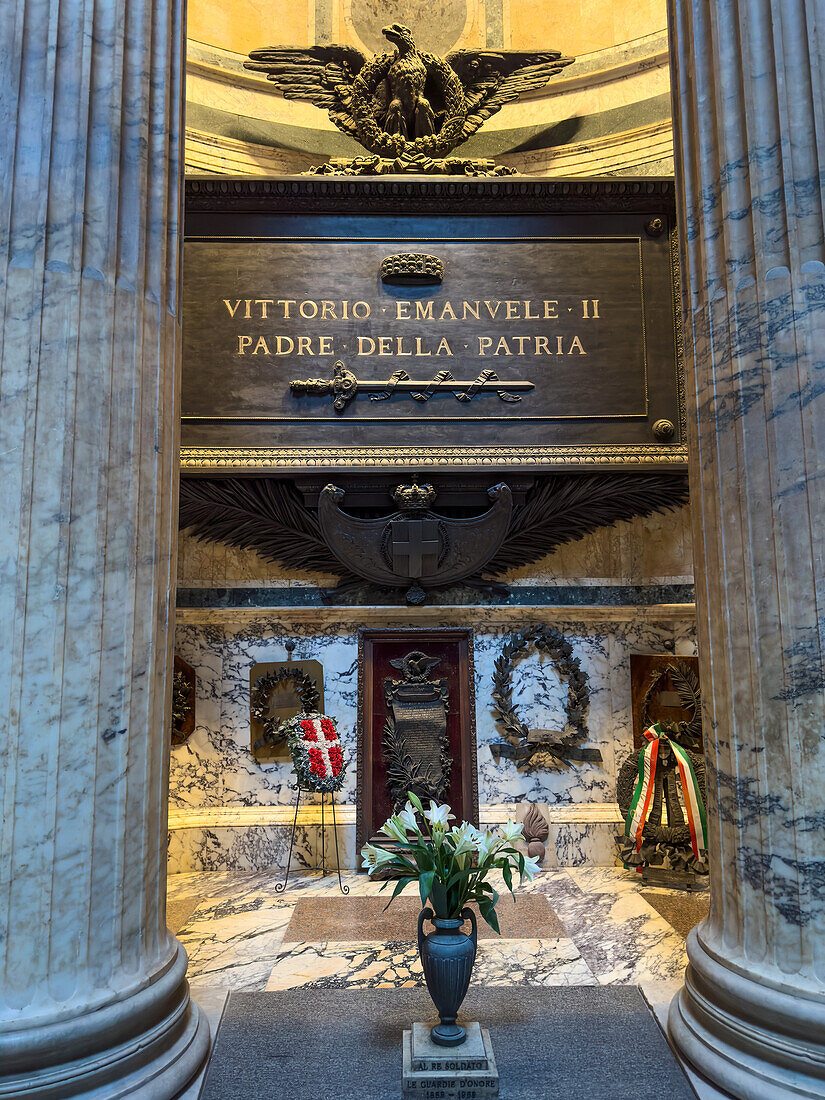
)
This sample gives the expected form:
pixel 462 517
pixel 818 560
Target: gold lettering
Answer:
pixel 285 344
pixel 472 308
pixel 232 309
pixel 263 303
pixel 443 347
pixel 447 312
pixel 484 342
pixel 328 311
pixel 345 310
pixel 418 349
pixel 243 343
pixel 305 345
pixel 542 346
pixel 528 314
pixel 576 343
pixel 405 316
pixel 248 304
pixel 520 340
pixel 261 345
pixel 286 303
pixel 399 345
pixel 423 311
pixel 384 345
pixel 366 345
pixel 490 309
pixel 502 347
pixel 325 345
pixel 511 310
pixel 587 305
pixel 550 308
pixel 365 310
pixel 302 310
pixel 559 349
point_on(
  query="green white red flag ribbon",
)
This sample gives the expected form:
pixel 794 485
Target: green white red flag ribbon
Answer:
pixel 642 799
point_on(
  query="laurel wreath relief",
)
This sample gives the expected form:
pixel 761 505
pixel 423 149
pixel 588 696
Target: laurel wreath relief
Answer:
pixel 560 752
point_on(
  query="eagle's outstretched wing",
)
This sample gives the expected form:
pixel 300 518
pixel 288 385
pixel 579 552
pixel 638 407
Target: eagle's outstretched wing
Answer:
pixel 492 79
pixel 323 75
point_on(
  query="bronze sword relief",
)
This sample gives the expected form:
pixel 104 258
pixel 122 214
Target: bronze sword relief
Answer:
pixel 345 387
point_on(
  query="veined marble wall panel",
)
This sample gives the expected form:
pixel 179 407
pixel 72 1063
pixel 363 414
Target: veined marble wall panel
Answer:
pixel 651 550
pixel 215 773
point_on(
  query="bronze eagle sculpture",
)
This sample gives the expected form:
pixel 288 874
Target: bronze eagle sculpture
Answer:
pixel 407 102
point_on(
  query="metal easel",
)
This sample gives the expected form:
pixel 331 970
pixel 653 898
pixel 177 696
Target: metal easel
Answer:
pixel 322 866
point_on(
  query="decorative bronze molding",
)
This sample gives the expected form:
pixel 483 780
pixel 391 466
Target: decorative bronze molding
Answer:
pixel 639 456
pixel 334 195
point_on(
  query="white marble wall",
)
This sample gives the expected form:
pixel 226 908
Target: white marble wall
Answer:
pixel 216 769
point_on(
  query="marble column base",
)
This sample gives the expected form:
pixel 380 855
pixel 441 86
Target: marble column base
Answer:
pixel 751 1039
pixel 149 1045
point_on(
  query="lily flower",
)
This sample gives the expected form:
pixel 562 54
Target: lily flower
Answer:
pixel 438 815
pixel 486 844
pixel 464 838
pixel 531 868
pixel 408 819
pixel 512 831
pixel 395 829
pixel 374 857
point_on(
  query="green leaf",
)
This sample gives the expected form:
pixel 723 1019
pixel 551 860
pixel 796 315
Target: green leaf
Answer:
pixel 488 911
pixel 439 898
pixel 425 885
pixel 508 876
pixel 399 886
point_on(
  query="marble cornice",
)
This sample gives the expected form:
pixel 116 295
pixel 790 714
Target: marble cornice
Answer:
pixel 349 617
pixel 210 817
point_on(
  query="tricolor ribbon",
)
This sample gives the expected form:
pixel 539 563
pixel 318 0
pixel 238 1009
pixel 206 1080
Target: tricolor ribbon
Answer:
pixel 642 799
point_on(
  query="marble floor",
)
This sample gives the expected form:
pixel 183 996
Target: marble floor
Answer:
pixel 573 926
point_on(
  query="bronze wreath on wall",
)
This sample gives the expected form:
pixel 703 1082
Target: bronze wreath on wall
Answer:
pixel 686 682
pixel 542 748
pixel 275 729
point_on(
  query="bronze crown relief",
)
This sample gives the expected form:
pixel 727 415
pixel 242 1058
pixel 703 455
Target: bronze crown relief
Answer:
pixel 409 108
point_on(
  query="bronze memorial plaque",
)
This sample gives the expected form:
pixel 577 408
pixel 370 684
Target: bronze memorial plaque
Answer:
pixel 355 339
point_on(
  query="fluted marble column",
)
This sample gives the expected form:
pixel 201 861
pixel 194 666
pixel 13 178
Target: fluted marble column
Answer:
pixel 749 95
pixel 93 994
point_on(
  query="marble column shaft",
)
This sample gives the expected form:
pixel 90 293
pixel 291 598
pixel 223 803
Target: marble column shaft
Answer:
pixel 93 996
pixel 749 109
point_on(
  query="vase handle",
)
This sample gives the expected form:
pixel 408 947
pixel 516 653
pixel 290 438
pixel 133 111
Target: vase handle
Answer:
pixel 425 914
pixel 468 914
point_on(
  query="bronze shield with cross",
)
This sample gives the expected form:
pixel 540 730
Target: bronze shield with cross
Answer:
pixel 415 547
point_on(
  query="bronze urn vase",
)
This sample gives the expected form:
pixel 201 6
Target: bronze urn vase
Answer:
pixel 447 957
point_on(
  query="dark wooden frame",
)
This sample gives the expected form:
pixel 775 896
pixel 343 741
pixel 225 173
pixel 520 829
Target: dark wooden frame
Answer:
pixel 365 827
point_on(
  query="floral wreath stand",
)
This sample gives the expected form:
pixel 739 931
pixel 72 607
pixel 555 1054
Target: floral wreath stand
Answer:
pixel 317 774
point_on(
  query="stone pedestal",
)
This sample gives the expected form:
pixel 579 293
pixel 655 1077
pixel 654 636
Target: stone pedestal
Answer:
pixel 93 992
pixel 466 1072
pixel 749 80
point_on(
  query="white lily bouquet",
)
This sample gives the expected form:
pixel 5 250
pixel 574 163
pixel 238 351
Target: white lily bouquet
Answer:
pixel 451 865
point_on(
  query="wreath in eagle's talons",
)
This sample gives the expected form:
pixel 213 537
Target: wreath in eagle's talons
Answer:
pixel 536 749
pixel 275 729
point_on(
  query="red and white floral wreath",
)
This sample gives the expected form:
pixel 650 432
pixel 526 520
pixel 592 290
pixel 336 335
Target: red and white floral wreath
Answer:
pixel 316 751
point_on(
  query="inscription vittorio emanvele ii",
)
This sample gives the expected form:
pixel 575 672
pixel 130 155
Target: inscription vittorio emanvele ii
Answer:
pixel 421 345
